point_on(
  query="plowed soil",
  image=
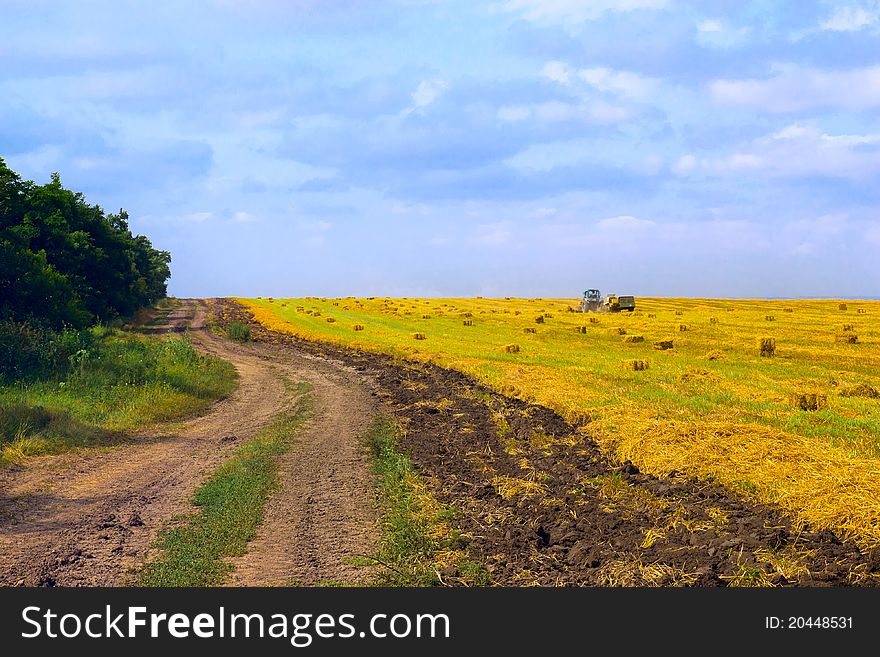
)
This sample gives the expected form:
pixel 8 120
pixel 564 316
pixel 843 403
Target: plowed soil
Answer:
pixel 542 505
pixel 88 517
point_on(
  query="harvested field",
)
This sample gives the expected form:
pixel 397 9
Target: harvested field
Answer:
pixel 737 426
pixel 539 502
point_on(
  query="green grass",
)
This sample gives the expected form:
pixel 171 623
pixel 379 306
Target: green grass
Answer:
pixel 238 331
pixel 231 505
pixel 122 382
pixel 417 541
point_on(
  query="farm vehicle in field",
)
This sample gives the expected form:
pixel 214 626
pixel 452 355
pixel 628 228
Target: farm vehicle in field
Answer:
pixel 593 302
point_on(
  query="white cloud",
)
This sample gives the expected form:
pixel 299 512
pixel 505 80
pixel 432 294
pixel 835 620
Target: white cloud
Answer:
pixel 542 213
pixel 425 94
pixel 556 111
pixel 624 223
pixel 684 165
pixel 794 89
pixel 243 217
pixel 709 25
pixel 573 11
pixel 802 150
pixel 557 71
pixel 493 234
pixel 713 33
pixel 605 80
pixel 198 217
pixel 622 83
pixel 318 226
pixel 851 19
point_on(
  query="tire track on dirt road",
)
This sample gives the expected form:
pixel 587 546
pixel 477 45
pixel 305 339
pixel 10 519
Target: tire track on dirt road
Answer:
pixel 87 517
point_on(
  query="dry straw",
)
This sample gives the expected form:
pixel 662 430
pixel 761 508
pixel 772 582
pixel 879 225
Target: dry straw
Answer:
pixel 848 328
pixel 594 320
pixel 713 320
pixel 529 329
pixel 769 318
pixel 636 365
pixel 847 338
pixel 330 320
pixel 678 313
pixel 651 315
pixel 511 348
pixel 682 328
pixel 539 319
pixel 357 327
pixel 766 347
pixel 859 390
pixel 663 345
pixel 634 338
pixel 841 306
pixel 619 330
pixel 580 329
pixel 715 354
pixel 808 401
pixel 426 317
pixel 419 336
pixel 467 322
pixel 788 310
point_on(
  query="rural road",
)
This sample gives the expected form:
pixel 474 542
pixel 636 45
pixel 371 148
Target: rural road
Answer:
pixel 86 518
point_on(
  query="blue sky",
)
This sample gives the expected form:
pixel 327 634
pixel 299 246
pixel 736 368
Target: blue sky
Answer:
pixel 430 147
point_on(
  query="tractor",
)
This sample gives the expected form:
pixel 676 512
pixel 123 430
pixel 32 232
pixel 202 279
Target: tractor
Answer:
pixel 593 302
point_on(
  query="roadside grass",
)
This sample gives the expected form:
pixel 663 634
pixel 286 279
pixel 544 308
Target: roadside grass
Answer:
pixel 238 331
pixel 710 407
pixel 123 382
pixel 418 545
pixel 230 504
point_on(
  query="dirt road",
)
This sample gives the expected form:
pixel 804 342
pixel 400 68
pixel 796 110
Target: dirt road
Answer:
pixel 89 517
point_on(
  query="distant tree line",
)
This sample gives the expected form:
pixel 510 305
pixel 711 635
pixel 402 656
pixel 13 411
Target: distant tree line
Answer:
pixel 64 262
pixel 65 266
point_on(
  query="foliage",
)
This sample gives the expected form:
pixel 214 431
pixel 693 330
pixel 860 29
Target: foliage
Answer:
pixel 65 263
pixel 238 331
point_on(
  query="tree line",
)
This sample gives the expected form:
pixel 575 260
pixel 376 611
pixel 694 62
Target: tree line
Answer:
pixel 65 265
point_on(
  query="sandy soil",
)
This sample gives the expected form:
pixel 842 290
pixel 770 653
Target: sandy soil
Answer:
pixel 88 517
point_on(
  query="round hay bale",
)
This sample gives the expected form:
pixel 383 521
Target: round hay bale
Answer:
pixel 511 348
pixel 580 329
pixel 539 319
pixel 467 322
pixel 619 330
pixel 841 306
pixel 636 365
pixel 651 316
pixel 769 318
pixel 847 338
pixel 788 310
pixel 682 328
pixel 848 328
pixel 713 320
pixel 594 320
pixel 419 336
pixel 631 339
pixel 678 313
pixel 529 329
pixel 766 347
pixel 426 317
pixel 330 320
pixel 862 311
pixel 357 327
pixel 663 345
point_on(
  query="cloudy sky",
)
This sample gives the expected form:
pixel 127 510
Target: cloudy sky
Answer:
pixel 433 147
